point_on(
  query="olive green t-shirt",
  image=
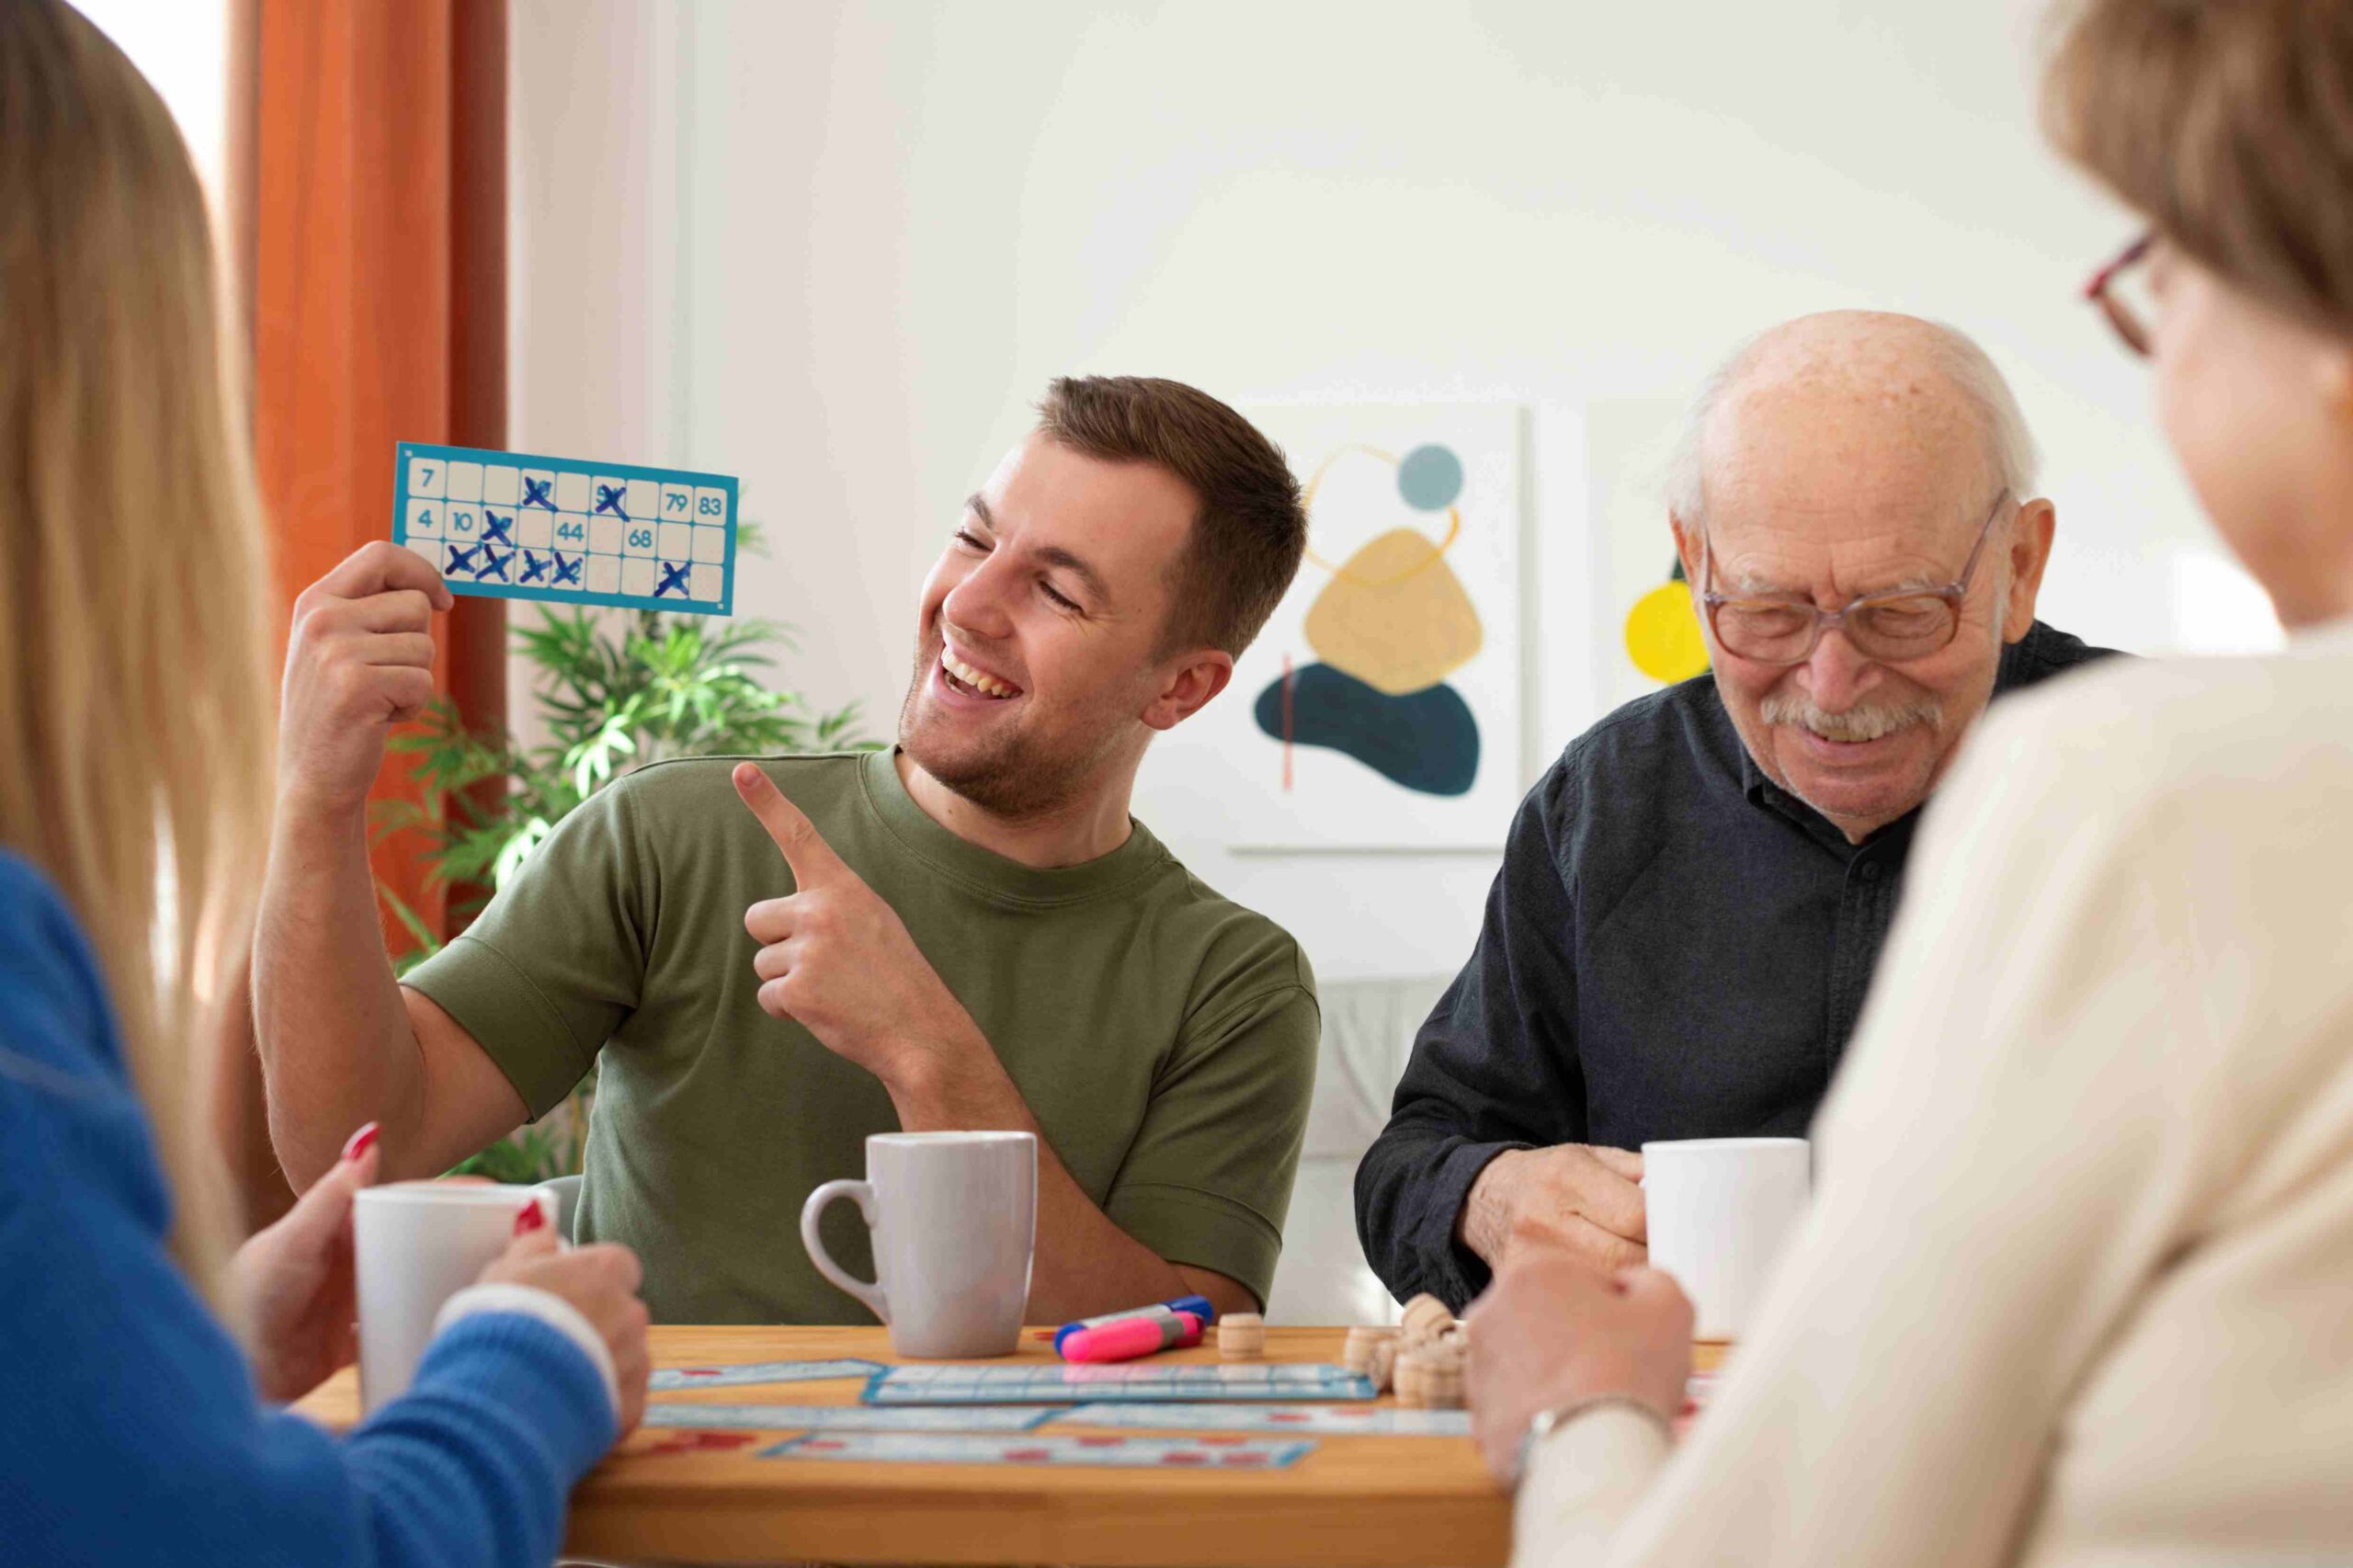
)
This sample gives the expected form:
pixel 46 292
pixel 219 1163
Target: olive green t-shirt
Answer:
pixel 1164 1038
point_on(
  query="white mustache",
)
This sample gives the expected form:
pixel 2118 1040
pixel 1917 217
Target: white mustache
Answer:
pixel 1865 723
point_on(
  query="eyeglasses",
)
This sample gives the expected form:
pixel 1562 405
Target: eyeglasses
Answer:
pixel 2119 289
pixel 1785 629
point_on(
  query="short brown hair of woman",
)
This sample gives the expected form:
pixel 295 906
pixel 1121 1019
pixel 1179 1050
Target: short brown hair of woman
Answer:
pixel 2230 124
pixel 1250 529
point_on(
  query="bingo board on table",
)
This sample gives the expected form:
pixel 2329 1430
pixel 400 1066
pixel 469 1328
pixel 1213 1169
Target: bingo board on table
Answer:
pixel 1031 1383
pixel 1351 1420
pixel 517 525
pixel 1108 1451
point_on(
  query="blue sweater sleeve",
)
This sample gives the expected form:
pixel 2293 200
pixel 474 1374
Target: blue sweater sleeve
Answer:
pixel 129 1428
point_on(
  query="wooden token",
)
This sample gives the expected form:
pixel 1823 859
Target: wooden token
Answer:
pixel 1356 1351
pixel 1241 1336
pixel 1383 1367
pixel 1429 1379
pixel 1426 1318
pixel 1425 1314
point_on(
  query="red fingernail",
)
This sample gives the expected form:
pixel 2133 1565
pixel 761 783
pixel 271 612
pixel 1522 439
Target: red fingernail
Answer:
pixel 529 1220
pixel 361 1142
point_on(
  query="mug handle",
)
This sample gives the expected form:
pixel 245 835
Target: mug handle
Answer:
pixel 862 1194
pixel 552 1208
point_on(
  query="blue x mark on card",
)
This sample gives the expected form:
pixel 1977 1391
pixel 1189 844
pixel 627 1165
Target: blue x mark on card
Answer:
pixel 609 499
pixel 493 527
pixel 672 577
pixel 539 492
pixel 533 568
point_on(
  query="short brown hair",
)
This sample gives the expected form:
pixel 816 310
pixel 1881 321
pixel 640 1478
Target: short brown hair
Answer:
pixel 1251 529
pixel 2230 123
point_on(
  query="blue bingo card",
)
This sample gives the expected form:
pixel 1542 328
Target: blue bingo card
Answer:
pixel 846 1418
pixel 727 1377
pixel 1361 1420
pixel 1034 1382
pixel 1108 1451
pixel 513 526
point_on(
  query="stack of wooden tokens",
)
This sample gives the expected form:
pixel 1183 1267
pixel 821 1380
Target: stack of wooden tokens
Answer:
pixel 1241 1336
pixel 1431 1347
pixel 1431 1377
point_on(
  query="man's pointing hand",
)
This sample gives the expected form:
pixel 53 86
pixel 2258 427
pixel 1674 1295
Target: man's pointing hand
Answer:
pixel 838 959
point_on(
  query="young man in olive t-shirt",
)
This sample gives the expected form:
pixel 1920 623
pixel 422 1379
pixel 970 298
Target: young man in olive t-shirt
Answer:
pixel 777 958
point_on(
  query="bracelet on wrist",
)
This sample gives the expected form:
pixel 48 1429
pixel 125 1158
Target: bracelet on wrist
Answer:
pixel 1547 1422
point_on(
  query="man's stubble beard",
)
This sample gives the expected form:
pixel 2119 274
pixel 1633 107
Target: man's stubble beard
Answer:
pixel 1010 777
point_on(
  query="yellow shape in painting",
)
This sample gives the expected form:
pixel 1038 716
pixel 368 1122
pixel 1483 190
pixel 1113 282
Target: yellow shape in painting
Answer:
pixel 1395 616
pixel 1662 634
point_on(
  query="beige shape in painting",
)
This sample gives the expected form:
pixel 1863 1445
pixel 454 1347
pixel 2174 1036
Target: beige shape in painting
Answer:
pixel 1395 617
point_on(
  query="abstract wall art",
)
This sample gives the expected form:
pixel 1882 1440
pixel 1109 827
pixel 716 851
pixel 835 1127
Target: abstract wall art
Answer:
pixel 1645 613
pixel 1380 707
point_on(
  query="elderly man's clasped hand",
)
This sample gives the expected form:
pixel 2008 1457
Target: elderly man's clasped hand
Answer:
pixel 1553 1332
pixel 1585 1200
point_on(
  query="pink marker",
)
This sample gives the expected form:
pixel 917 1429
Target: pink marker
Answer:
pixel 1124 1340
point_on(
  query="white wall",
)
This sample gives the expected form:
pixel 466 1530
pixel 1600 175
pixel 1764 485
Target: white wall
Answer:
pixel 182 48
pixel 838 249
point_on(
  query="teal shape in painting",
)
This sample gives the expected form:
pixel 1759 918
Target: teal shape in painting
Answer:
pixel 1429 478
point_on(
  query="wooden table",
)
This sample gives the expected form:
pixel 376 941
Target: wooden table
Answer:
pixel 1384 1501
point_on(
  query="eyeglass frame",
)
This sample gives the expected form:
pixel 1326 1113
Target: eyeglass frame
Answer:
pixel 2101 291
pixel 1955 593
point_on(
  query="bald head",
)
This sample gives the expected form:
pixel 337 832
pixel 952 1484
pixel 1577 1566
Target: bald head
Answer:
pixel 1890 405
pixel 1850 460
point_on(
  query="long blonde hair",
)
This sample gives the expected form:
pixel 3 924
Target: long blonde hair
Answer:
pixel 135 692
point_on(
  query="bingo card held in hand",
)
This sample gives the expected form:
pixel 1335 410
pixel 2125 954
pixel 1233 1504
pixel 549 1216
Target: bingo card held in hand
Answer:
pixel 512 526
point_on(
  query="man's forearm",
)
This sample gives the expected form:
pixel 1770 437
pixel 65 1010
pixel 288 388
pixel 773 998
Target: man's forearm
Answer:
pixel 337 1049
pixel 240 1115
pixel 1085 1264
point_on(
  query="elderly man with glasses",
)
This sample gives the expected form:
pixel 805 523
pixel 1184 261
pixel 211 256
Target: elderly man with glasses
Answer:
pixel 1693 899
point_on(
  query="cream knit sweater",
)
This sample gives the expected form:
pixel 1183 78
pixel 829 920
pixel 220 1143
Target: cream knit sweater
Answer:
pixel 2077 1288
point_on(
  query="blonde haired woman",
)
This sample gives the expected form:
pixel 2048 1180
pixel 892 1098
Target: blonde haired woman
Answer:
pixel 134 706
pixel 2077 1285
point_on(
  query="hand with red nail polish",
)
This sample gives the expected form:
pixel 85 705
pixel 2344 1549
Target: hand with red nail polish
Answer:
pixel 601 1282
pixel 296 1283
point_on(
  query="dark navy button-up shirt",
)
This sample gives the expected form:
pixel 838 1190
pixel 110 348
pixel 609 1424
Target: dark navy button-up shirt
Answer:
pixel 1674 947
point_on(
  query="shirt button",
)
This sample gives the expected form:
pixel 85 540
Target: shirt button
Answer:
pixel 1870 871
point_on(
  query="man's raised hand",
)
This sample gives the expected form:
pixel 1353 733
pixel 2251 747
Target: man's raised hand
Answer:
pixel 838 959
pixel 360 660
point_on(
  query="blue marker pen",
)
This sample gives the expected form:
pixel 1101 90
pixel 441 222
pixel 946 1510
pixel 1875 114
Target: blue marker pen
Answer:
pixel 1199 1306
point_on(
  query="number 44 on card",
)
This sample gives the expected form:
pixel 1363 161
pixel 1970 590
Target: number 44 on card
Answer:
pixel 514 525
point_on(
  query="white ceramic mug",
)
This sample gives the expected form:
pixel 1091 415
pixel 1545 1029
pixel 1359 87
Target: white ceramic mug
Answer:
pixel 1721 1211
pixel 954 1218
pixel 416 1244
